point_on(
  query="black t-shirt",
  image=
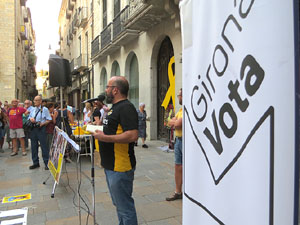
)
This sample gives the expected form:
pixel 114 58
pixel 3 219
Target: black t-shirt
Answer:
pixel 119 156
pixel 96 113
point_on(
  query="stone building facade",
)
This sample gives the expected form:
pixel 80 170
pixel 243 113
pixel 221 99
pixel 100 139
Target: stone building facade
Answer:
pixel 138 39
pixel 17 58
pixel 75 20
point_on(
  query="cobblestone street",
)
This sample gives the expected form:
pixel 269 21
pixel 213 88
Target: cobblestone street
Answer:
pixel 154 181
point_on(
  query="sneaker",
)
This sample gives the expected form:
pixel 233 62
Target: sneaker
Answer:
pixel 174 197
pixel 24 153
pixel 34 166
pixel 46 168
pixel 145 146
pixel 135 144
pixel 1 150
pixel 13 153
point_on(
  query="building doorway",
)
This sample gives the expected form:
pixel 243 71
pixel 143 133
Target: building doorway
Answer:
pixel 166 52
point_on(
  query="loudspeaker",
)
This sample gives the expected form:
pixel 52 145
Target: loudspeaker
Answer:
pixel 59 71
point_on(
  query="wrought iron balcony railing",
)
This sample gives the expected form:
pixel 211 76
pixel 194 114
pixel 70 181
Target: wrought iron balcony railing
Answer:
pixel 95 46
pixel 83 16
pixel 106 35
pixel 118 21
pixel 81 61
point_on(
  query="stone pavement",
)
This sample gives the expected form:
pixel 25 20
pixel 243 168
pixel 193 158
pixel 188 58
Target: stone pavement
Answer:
pixel 154 180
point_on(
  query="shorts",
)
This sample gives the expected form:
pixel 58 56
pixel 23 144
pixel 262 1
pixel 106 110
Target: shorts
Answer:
pixel 16 133
pixel 178 151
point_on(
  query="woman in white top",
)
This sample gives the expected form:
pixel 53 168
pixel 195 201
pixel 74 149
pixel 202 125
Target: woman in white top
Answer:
pixel 87 113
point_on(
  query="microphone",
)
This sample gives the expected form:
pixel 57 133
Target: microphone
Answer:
pixel 90 100
pixel 100 98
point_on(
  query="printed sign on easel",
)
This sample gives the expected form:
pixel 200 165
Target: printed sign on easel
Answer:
pixel 57 152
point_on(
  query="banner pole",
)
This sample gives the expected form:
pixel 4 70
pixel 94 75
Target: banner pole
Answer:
pixel 61 108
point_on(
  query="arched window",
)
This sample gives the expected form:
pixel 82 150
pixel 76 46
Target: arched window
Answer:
pixel 115 70
pixel 134 81
pixel 103 80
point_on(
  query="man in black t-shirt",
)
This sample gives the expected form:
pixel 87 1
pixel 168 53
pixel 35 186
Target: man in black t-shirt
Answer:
pixel 116 142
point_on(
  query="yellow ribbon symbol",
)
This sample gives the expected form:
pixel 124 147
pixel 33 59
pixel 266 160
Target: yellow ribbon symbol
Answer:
pixel 171 91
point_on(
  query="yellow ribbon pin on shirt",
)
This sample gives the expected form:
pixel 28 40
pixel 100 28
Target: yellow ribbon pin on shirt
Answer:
pixel 171 91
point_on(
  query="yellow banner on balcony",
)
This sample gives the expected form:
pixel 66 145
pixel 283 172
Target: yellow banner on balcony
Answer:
pixel 171 91
pixel 22 28
pixel 26 42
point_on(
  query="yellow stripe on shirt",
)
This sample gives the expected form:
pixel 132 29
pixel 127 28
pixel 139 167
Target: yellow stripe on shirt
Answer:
pixel 122 160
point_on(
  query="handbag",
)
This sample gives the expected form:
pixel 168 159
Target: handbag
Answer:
pixel 28 125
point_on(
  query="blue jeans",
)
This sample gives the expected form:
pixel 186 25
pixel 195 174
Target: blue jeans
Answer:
pixel 39 135
pixel 178 151
pixel 120 185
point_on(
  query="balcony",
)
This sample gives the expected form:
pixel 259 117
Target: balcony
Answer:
pixel 95 46
pixel 24 75
pixel 83 16
pixel 26 45
pixel 73 28
pixel 68 14
pixel 72 65
pixel 70 33
pixel 145 14
pixel 71 5
pixel 68 41
pixel 106 35
pixel 31 59
pixel 75 21
pixel 81 62
pixel 118 21
pixel 106 45
pixel 23 32
pixel 121 36
pixel 25 15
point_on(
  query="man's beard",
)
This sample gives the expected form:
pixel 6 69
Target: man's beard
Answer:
pixel 109 98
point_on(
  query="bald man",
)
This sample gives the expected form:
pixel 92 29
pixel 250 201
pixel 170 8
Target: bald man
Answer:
pixel 116 142
pixel 40 116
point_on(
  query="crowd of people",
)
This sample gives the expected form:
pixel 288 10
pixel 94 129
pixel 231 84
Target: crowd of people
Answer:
pixel 44 116
pixel 122 124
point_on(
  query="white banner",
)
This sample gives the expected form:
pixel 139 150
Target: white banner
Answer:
pixel 239 111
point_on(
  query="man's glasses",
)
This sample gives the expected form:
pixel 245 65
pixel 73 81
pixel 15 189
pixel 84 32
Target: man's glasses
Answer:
pixel 107 86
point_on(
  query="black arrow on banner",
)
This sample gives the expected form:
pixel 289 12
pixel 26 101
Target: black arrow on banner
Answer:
pixel 267 114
